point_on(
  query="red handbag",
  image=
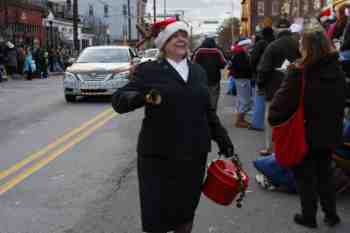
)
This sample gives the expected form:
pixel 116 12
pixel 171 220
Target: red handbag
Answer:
pixel 289 137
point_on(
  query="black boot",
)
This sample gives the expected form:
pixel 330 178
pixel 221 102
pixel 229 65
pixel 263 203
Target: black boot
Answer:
pixel 332 220
pixel 306 222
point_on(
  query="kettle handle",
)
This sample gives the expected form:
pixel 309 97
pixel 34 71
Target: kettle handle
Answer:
pixel 235 159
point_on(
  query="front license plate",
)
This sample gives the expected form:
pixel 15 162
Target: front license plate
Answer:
pixel 92 85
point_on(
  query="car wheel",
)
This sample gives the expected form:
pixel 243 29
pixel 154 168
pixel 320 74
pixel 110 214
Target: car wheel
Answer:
pixel 70 98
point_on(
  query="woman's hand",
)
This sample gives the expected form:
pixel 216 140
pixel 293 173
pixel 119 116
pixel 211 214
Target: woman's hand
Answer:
pixel 294 65
pixel 153 97
pixel 226 147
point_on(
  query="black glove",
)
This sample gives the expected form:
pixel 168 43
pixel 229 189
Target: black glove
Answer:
pixel 153 97
pixel 226 147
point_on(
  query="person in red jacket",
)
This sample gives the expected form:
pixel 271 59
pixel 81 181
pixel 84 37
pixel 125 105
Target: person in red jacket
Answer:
pixel 240 68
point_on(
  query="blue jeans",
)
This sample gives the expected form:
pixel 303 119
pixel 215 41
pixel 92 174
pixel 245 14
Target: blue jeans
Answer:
pixel 259 112
pixel 243 103
pixel 231 86
pixel 344 55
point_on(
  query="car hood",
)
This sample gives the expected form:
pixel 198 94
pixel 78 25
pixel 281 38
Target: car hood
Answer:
pixel 98 67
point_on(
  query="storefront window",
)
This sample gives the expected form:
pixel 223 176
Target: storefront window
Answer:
pixel 306 6
pixel 261 8
pixel 295 9
pixel 317 4
pixel 285 9
pixel 275 8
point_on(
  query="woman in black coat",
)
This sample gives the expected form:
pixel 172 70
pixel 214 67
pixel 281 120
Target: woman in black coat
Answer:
pixel 324 111
pixel 176 131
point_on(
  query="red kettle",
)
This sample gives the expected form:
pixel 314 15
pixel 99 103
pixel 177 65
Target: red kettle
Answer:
pixel 225 179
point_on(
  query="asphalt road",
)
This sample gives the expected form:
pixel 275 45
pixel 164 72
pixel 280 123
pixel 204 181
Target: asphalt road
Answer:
pixel 70 168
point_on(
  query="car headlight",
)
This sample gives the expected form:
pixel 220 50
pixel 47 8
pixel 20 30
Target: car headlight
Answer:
pixel 121 76
pixel 70 77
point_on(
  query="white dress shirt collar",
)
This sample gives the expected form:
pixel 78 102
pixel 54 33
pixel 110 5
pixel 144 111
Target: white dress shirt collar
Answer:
pixel 181 67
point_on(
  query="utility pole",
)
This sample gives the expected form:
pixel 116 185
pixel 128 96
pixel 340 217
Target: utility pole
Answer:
pixel 164 9
pixel 129 22
pixel 233 21
pixel 154 11
pixel 125 14
pixel 75 25
pixel 6 15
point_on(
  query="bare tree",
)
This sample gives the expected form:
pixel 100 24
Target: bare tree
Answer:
pixel 225 32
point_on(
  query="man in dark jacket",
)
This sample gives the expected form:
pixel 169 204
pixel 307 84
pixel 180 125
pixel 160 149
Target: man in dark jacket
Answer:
pixel 11 56
pixel 212 60
pixel 285 47
pixel 267 36
pixel 2 59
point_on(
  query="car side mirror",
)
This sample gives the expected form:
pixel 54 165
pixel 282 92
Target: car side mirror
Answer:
pixel 141 54
pixel 71 60
pixel 136 60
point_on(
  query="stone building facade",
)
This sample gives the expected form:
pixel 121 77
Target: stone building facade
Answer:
pixel 255 11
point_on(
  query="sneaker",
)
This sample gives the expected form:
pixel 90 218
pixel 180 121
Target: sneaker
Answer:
pixel 265 152
pixel 303 221
pixel 255 129
pixel 242 124
pixel 264 182
pixel 332 220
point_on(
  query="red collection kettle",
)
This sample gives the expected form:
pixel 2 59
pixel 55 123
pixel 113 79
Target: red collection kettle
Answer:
pixel 225 179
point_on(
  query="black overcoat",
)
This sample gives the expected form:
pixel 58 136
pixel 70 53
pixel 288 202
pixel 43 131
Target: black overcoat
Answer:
pixel 173 143
pixel 269 78
pixel 324 101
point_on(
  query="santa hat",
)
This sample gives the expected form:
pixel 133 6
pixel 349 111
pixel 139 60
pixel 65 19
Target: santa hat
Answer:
pixel 245 42
pixel 10 45
pixel 326 13
pixel 296 28
pixel 170 27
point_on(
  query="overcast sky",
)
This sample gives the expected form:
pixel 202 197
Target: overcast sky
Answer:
pixel 198 10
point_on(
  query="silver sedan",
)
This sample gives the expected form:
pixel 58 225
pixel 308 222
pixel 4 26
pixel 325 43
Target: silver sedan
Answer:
pixel 99 70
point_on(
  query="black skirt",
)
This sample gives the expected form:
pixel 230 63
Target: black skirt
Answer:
pixel 170 190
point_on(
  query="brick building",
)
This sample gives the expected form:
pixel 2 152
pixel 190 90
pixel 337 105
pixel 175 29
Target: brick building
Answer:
pixel 22 21
pixel 255 11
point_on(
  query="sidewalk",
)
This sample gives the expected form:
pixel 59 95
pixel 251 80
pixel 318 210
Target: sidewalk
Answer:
pixel 22 77
pixel 262 212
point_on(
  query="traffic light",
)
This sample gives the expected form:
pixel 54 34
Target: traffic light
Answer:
pixel 91 10
pixel 125 10
pixel 69 4
pixel 106 10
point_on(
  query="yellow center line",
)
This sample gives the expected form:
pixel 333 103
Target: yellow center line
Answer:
pixel 11 170
pixel 43 162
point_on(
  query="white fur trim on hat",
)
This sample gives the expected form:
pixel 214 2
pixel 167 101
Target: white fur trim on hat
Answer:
pixel 168 31
pixel 245 42
pixel 296 28
pixel 10 45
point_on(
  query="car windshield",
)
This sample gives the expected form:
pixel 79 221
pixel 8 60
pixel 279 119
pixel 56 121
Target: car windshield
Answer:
pixel 151 53
pixel 104 55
